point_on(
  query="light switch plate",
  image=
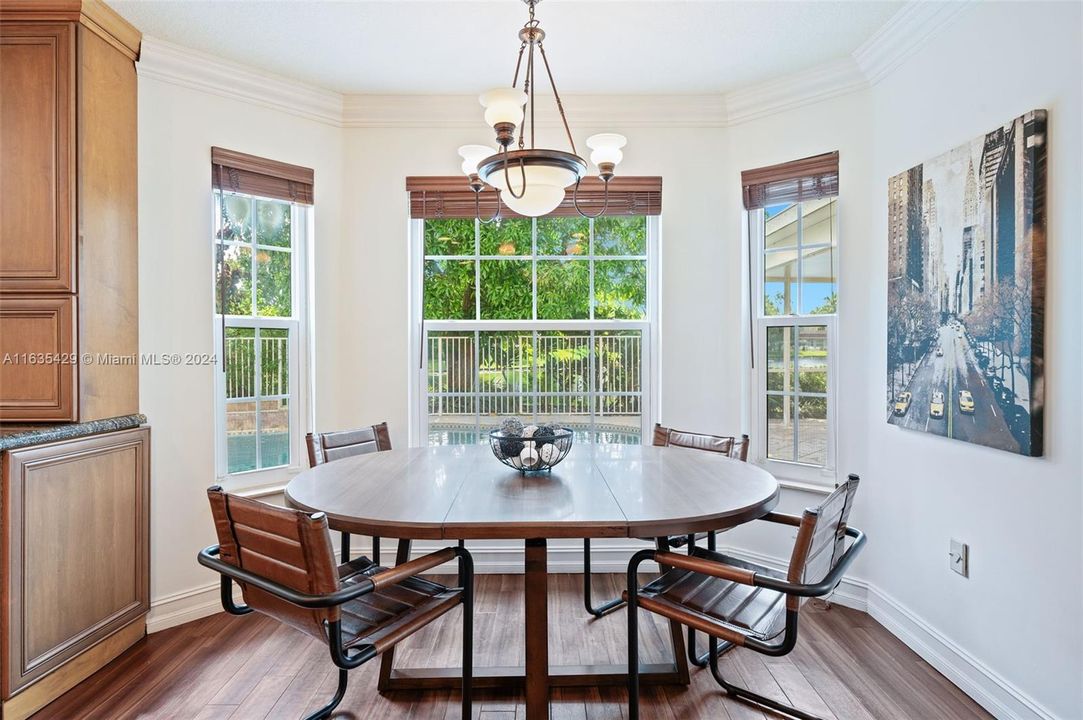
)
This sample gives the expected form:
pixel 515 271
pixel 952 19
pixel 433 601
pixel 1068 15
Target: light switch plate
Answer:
pixel 959 556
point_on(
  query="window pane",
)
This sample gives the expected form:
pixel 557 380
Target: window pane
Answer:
pixel 274 297
pixel 451 363
pixel 274 361
pixel 453 421
pixel 241 436
pixel 563 364
pixel 563 289
pixel 620 235
pixel 780 427
pixel 620 289
pixel 240 363
pixel 507 237
pixel 449 290
pixel 818 273
pixel 274 433
pixel 780 226
pixel 236 218
pixel 235 270
pixel 780 282
pixel 618 361
pixel 618 419
pixel 505 375
pixel 563 236
pixel 449 237
pixel 812 430
pixel 812 358
pixel 780 365
pixel 273 223
pixel 506 287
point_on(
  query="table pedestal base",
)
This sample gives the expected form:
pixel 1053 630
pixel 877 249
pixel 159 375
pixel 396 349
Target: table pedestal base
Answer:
pixel 537 678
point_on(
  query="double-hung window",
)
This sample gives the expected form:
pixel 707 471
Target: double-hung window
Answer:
pixel 792 213
pixel 260 242
pixel 546 319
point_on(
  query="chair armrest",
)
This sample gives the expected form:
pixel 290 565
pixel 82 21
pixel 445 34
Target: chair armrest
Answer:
pixel 209 557
pixel 706 567
pixel 414 567
pixel 782 519
pixel 828 583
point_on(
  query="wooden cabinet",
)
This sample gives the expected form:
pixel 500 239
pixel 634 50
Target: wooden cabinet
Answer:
pixel 37 364
pixel 68 203
pixel 75 561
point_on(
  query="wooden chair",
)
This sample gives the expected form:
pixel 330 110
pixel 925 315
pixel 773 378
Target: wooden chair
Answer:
pixel 667 437
pixel 328 446
pixel 285 564
pixel 741 603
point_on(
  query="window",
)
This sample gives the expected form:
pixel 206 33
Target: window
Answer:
pixel 544 319
pixel 793 232
pixel 261 229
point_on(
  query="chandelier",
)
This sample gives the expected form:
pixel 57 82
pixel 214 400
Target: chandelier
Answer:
pixel 532 180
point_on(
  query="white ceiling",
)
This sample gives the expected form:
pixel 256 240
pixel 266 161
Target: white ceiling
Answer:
pixel 456 46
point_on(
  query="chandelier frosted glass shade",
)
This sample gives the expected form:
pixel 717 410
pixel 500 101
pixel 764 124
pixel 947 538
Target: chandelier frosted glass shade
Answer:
pixel 606 148
pixel 503 105
pixel 548 173
pixel 472 155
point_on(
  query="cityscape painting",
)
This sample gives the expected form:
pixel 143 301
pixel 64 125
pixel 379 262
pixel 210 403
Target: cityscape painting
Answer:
pixel 966 284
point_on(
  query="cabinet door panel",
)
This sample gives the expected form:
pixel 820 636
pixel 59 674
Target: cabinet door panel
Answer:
pixel 37 175
pixel 77 532
pixel 38 372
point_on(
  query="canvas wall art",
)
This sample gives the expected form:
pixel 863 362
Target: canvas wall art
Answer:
pixel 966 285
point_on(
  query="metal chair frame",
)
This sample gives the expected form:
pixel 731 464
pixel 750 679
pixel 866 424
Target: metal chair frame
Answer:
pixel 345 659
pixel 716 631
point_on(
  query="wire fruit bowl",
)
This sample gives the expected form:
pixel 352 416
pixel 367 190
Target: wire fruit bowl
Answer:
pixel 536 453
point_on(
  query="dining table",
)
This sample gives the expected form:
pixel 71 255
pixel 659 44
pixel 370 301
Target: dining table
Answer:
pixel 462 492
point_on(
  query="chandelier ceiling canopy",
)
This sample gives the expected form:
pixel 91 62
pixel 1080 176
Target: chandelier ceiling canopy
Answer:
pixel 531 180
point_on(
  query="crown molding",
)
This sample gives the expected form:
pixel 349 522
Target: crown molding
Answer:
pixel 167 62
pixel 808 86
pixel 903 35
pixel 584 111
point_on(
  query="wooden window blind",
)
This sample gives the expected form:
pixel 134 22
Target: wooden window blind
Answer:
pixel 451 197
pixel 805 179
pixel 234 171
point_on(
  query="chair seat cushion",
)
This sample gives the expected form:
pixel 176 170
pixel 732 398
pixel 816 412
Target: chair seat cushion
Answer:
pixel 386 615
pixel 753 611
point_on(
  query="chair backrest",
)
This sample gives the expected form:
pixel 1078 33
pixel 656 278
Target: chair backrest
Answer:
pixel 328 446
pixel 286 546
pixel 725 444
pixel 821 537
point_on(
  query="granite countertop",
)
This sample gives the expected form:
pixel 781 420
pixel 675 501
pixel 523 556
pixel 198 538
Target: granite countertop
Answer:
pixel 25 435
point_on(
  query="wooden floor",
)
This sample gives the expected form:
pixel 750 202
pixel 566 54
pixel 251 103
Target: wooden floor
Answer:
pixel 845 666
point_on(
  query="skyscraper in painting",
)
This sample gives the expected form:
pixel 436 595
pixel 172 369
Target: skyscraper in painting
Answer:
pixel 966 279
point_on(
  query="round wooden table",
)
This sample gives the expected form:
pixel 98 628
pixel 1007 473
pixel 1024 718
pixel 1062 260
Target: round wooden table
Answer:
pixel 462 492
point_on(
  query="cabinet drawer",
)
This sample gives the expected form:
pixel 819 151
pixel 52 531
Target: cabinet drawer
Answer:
pixel 76 538
pixel 37 175
pixel 38 368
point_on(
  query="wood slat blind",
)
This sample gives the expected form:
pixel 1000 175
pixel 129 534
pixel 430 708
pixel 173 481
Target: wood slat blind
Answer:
pixel 451 197
pixel 805 179
pixel 234 171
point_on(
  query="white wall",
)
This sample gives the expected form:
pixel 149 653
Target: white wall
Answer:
pixel 177 127
pixel 1014 622
pixel 1020 611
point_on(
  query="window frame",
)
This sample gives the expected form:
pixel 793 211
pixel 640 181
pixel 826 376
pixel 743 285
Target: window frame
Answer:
pixel 300 389
pixel 792 472
pixel 418 415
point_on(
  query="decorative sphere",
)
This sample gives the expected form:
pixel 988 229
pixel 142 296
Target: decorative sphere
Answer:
pixel 511 426
pixel 549 453
pixel 529 456
pixel 529 431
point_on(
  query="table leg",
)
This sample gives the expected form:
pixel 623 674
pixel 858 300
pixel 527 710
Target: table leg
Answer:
pixel 387 659
pixel 536 601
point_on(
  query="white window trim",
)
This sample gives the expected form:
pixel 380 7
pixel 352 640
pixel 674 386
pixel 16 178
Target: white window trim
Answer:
pixel 417 387
pixel 269 480
pixel 790 474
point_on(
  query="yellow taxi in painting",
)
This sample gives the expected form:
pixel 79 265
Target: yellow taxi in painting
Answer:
pixel 902 402
pixel 936 407
pixel 966 402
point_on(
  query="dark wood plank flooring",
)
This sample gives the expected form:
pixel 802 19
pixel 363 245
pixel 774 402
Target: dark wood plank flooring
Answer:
pixel 846 666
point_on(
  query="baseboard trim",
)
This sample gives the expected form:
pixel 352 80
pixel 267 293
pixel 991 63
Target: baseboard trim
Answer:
pixel 987 688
